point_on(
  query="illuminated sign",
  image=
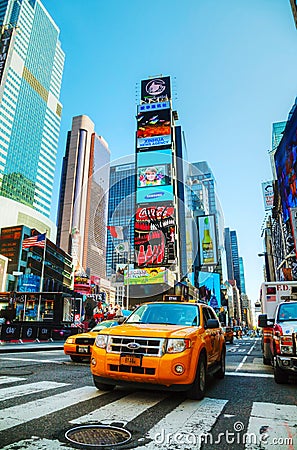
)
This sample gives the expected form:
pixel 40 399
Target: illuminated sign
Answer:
pixel 154 128
pixel 210 288
pixel 153 106
pixel 155 89
pixel 154 238
pixel 268 195
pixel 4 46
pixel 153 194
pixel 207 240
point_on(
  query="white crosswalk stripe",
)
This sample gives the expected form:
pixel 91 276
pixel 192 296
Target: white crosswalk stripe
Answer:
pixel 6 379
pixel 26 389
pixel 19 414
pixel 124 410
pixel 185 425
pixel 274 425
pixel 270 425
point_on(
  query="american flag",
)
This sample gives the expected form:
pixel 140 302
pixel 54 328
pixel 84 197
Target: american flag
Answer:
pixel 34 241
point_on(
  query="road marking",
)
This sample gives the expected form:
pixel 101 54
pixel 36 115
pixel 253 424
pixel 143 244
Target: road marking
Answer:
pixel 26 389
pixel 277 422
pixel 6 380
pixel 252 375
pixel 190 419
pixel 245 358
pixel 32 360
pixel 20 414
pixel 123 410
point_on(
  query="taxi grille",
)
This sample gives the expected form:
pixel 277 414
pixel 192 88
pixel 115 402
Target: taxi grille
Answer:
pixel 132 369
pixel 136 346
pixel 85 341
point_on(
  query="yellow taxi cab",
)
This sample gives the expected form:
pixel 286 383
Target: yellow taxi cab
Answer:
pixel 165 345
pixel 228 334
pixel 78 346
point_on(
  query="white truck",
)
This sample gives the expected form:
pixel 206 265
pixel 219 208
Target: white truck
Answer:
pixel 279 323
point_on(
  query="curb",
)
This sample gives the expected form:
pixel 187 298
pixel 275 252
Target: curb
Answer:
pixel 30 347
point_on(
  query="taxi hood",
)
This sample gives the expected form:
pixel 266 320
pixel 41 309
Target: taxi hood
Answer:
pixel 152 330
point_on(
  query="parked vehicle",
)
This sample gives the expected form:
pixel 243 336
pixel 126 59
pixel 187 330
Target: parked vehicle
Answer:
pixel 78 346
pixel 279 323
pixel 165 345
pixel 228 334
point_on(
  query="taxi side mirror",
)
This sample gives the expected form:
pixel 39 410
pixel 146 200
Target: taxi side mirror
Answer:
pixel 212 323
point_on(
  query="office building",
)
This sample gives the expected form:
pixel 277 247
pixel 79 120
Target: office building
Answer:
pixel 82 215
pixel 31 70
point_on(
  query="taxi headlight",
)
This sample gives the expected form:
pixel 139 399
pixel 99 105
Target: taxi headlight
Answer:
pixel 101 340
pixel 70 340
pixel 177 345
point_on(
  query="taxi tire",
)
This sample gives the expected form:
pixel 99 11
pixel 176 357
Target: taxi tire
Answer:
pixel 197 391
pixel 104 386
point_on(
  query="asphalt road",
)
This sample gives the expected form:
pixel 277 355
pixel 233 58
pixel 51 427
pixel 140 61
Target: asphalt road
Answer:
pixel 45 394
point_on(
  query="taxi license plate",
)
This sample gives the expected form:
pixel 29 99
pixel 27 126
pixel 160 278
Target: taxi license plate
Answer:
pixel 83 349
pixel 128 360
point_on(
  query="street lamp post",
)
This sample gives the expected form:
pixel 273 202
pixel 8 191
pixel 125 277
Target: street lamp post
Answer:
pixel 267 267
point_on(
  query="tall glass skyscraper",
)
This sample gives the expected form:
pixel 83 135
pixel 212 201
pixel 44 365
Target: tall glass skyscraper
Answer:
pixel 31 68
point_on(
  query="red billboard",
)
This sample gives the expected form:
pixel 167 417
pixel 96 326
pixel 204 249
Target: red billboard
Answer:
pixel 154 239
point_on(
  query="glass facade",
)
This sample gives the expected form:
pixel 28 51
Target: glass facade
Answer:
pixel 30 110
pixel 121 210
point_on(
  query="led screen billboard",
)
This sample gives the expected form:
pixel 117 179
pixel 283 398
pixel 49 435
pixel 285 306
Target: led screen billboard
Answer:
pixel 156 275
pixel 154 238
pixel 210 288
pixel 155 89
pixel 286 168
pixel 154 128
pixel 207 240
pixel 267 191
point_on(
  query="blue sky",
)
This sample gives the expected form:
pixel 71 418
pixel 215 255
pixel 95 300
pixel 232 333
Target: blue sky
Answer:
pixel 233 65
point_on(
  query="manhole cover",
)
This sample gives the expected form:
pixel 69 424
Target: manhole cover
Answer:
pixel 98 435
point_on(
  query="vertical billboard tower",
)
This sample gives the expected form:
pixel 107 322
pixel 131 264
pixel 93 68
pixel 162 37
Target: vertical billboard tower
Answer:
pixel 155 238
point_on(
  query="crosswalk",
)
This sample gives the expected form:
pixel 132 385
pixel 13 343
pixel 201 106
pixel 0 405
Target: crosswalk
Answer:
pixel 188 424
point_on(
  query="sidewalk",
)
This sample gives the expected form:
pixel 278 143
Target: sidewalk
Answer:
pixel 30 346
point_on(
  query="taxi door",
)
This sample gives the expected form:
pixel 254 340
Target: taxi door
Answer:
pixel 210 337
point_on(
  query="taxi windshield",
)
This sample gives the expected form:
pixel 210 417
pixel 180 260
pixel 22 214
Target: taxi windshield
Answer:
pixel 165 313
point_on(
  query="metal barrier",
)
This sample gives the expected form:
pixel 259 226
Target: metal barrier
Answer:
pixel 35 332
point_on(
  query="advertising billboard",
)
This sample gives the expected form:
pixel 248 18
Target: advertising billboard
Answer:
pixel 154 238
pixel 154 176
pixel 154 128
pixel 209 288
pixel 155 89
pixel 267 190
pixel 153 106
pixel 207 240
pixel 4 47
pixel 286 167
pixel 155 275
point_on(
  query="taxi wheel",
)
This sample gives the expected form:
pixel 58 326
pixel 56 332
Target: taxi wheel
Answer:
pixel 197 390
pixel 103 386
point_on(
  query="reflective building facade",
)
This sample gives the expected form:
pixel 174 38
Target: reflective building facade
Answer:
pixel 31 70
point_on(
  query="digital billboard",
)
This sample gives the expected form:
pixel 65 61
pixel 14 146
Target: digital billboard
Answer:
pixel 207 240
pixel 286 168
pixel 210 288
pixel 155 194
pixel 268 195
pixel 154 275
pixel 153 106
pixel 154 238
pixel 155 89
pixel 152 176
pixel 154 128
